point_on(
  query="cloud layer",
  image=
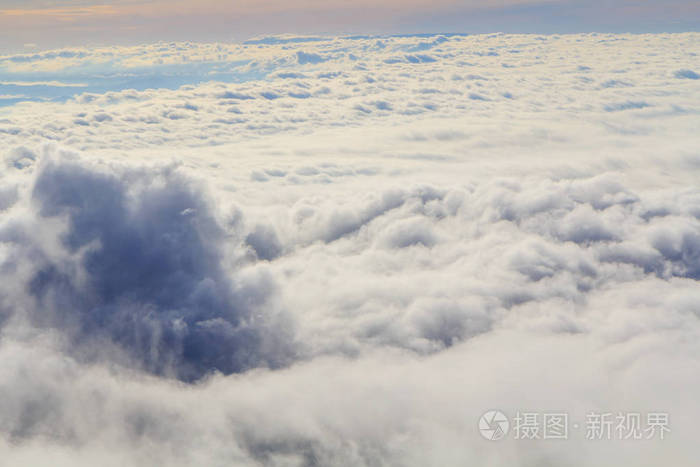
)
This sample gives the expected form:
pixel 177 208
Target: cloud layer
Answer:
pixel 349 257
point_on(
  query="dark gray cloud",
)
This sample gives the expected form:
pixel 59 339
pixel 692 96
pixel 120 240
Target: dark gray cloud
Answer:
pixel 141 268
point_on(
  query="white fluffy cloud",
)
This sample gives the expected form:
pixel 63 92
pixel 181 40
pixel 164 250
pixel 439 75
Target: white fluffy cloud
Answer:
pixel 360 249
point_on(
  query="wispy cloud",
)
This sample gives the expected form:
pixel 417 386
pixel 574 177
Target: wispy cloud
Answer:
pixel 55 84
pixel 65 13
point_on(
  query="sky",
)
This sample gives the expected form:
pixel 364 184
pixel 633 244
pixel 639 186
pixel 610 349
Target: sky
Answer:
pixel 51 24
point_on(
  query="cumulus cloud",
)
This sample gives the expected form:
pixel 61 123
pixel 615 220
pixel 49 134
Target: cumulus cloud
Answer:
pixel 134 258
pixel 348 258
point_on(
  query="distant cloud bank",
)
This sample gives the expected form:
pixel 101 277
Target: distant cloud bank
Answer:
pixel 66 23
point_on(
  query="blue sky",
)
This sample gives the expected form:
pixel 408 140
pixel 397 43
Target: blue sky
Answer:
pixel 49 24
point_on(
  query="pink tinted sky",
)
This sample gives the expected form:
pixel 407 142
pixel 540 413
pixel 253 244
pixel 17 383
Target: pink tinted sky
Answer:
pixel 53 23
